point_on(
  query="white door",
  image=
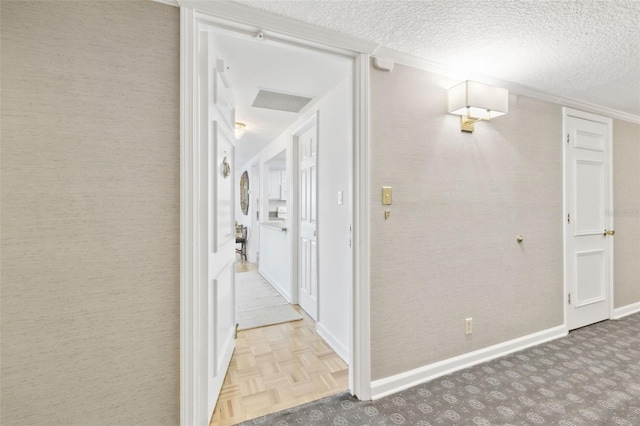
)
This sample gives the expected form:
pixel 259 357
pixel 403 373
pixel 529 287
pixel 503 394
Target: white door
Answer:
pixel 217 117
pixel 589 249
pixel 307 234
pixel 254 197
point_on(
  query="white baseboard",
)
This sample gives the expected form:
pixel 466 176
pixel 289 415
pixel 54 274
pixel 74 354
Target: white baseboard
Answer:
pixel 402 381
pixel 625 310
pixel 169 2
pixel 279 289
pixel 331 340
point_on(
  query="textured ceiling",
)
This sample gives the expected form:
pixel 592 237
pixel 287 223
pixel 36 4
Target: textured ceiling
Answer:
pixel 587 50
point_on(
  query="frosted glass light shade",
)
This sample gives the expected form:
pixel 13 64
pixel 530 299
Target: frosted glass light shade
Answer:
pixel 240 128
pixel 478 101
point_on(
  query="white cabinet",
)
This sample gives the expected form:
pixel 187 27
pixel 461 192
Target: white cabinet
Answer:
pixel 275 178
pixel 277 185
pixel 283 185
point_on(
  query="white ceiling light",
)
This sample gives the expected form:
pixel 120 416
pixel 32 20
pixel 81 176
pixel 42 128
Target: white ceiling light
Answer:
pixel 240 129
pixel 475 101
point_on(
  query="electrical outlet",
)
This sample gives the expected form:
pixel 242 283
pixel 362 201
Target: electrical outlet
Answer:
pixel 468 326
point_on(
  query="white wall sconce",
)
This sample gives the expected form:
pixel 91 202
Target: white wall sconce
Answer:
pixel 240 128
pixel 475 101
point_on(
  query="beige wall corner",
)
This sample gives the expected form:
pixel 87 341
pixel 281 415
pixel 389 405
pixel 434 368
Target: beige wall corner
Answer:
pixel 626 213
pixel 90 213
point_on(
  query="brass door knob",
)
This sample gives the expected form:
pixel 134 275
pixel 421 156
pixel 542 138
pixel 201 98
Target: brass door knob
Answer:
pixel 611 232
pixel 519 239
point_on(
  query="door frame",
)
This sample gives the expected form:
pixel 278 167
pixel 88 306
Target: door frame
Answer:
pixel 566 113
pixel 252 21
pixel 295 210
pixel 254 209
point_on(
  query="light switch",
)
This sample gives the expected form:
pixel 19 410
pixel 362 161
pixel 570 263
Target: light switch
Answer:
pixel 386 195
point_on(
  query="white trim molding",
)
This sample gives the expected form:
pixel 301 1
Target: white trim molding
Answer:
pixel 360 361
pixel 332 341
pixel 168 2
pixel 277 287
pixel 228 16
pixel 297 29
pixel 445 71
pixel 624 311
pixel 191 395
pixel 389 385
pixel 284 28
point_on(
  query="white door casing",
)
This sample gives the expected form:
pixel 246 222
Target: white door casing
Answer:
pixel 307 142
pixel 588 201
pixel 217 200
pixel 254 210
pixel 193 247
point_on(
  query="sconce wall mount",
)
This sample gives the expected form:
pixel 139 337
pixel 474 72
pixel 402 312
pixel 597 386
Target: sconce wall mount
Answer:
pixel 474 102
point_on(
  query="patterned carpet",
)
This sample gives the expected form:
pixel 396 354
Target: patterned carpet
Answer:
pixel 590 377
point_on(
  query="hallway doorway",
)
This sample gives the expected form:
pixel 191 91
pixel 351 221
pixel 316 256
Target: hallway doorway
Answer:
pixel 278 90
pixel 344 327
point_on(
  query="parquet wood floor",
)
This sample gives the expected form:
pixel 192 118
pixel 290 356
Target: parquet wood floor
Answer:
pixel 278 367
pixel 244 266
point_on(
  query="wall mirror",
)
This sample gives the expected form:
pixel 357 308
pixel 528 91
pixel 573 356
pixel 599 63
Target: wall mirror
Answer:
pixel 244 193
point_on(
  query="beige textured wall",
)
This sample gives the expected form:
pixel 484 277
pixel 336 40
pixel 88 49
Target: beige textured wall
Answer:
pixel 90 213
pixel 626 201
pixel 449 251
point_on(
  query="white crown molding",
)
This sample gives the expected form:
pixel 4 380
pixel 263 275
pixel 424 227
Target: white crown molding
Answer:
pixel 389 385
pixel 283 26
pixel 433 67
pixel 265 21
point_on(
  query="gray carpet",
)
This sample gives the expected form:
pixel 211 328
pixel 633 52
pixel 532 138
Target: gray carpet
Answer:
pixel 258 304
pixel 590 377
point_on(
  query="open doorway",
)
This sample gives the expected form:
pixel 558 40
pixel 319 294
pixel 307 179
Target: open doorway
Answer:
pixel 203 300
pixel 262 286
pixel 278 90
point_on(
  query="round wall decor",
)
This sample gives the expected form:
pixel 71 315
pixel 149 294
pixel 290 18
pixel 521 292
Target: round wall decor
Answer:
pixel 244 193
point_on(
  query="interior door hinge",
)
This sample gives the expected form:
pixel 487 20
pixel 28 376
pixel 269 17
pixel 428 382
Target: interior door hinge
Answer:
pixel 567 137
pixel 568 217
pixel 569 299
